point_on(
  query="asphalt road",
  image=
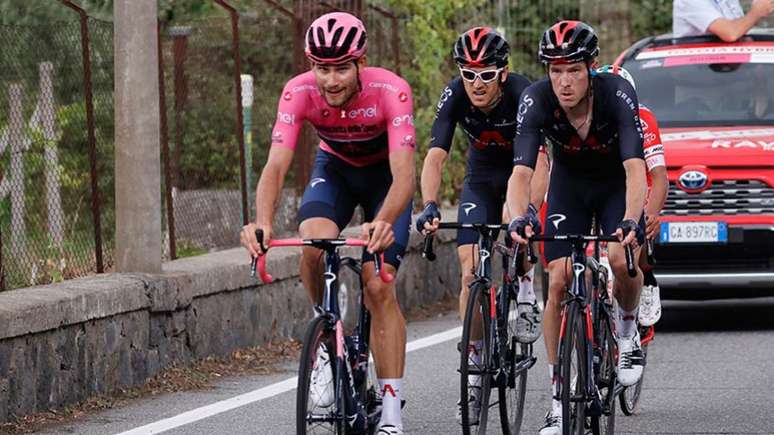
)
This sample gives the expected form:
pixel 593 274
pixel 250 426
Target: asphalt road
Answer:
pixel 710 371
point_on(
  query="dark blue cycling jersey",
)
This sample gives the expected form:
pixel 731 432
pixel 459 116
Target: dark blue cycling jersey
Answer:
pixel 615 134
pixel 587 176
pixel 490 135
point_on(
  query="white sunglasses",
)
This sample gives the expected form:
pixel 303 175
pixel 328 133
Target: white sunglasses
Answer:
pixel 486 76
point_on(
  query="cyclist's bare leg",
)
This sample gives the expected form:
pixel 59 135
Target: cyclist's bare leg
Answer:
pixel 388 327
pixel 312 258
pixel 468 258
pixel 626 289
pixel 559 278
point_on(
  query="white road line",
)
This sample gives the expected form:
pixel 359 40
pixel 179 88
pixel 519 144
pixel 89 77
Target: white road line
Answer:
pixel 264 393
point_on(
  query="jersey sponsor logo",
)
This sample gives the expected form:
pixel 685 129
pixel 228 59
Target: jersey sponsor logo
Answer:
pixel 287 118
pixel 526 102
pixel 387 86
pixel 276 137
pixel 287 96
pixel 402 97
pixel 556 219
pixel 467 207
pixel 710 134
pixel 649 138
pixel 758 144
pixel 644 123
pixel 408 141
pixel 490 138
pixel 447 92
pixel 403 119
pixel 363 112
pixel 303 88
pixel 654 150
pixel 316 181
pixel 627 99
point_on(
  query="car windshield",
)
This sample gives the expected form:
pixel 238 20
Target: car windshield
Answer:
pixel 697 87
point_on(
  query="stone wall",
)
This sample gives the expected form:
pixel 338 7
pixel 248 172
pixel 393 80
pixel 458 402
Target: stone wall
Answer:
pixel 63 343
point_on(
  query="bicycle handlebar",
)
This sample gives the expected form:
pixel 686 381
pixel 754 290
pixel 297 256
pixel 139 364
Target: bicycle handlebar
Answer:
pixel 427 247
pixel 577 238
pixel 259 263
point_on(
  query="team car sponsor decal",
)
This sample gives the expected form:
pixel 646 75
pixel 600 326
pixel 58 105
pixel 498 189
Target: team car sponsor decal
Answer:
pixel 710 50
pixel 717 134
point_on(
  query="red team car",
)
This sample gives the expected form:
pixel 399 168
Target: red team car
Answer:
pixel 715 105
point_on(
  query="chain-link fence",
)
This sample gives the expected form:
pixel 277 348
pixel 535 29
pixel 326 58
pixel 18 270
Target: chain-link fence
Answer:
pixel 46 209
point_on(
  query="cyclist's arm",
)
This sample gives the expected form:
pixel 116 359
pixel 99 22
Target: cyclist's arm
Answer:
pixel 626 109
pixel 654 160
pixel 636 188
pixel 430 182
pixel 402 146
pixel 539 183
pixel 284 136
pixel 270 184
pixel 440 143
pixel 526 148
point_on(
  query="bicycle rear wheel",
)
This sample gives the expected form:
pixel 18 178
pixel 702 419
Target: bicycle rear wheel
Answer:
pixel 512 392
pixel 476 318
pixel 630 396
pixel 573 370
pixel 319 412
pixel 604 424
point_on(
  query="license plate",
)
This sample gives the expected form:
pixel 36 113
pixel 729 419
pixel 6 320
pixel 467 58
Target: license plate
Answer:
pixel 694 232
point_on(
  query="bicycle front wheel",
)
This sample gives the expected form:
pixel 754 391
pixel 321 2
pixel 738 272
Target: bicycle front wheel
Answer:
pixel 604 424
pixel 573 370
pixel 513 391
pixel 319 409
pixel 475 381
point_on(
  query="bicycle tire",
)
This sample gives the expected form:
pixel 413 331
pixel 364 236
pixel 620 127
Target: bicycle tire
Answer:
pixel 572 371
pixel 319 331
pixel 515 388
pixel 630 396
pixel 477 299
pixel 606 378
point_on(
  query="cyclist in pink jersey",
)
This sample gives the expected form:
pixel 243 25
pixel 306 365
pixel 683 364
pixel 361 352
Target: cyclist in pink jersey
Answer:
pixel 364 118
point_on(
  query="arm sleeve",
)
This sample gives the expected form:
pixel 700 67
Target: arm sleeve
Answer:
pixel 529 122
pixel 290 114
pixel 399 109
pixel 445 122
pixel 698 14
pixel 652 146
pixel 624 104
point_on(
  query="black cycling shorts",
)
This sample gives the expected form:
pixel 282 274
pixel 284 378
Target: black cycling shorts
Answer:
pixel 337 188
pixel 573 201
pixel 481 202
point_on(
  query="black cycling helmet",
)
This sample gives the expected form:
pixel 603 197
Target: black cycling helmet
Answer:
pixel 481 46
pixel 568 42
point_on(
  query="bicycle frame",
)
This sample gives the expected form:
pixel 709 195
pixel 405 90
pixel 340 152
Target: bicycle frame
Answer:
pixel 354 366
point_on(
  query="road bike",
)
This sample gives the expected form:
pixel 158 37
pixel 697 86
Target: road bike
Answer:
pixel 504 360
pixel 348 403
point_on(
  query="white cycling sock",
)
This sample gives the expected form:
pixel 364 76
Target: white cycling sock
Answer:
pixel 390 389
pixel 627 322
pixel 474 359
pixel 526 289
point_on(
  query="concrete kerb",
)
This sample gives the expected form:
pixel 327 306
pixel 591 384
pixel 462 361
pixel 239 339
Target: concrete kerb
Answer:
pixel 65 342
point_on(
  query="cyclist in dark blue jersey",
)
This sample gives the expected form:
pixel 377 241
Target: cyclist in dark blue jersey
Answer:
pixel 483 102
pixel 591 125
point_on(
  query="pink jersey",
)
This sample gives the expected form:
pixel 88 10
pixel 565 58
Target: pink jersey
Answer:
pixel 377 121
pixel 652 146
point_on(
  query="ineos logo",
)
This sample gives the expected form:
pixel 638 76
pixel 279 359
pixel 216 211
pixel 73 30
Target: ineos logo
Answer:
pixel 526 103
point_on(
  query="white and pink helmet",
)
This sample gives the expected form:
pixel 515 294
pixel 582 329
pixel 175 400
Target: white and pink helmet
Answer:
pixel 335 38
